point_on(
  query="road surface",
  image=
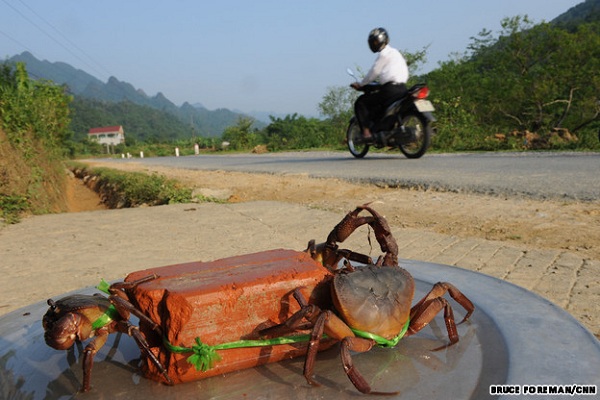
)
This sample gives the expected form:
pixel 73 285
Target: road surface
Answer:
pixel 544 175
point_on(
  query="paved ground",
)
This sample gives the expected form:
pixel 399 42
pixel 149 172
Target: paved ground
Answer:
pixel 45 256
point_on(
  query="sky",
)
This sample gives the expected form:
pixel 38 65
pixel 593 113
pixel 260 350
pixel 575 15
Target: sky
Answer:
pixel 270 56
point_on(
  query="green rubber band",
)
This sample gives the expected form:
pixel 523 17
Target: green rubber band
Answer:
pixel 381 341
pixel 109 315
pixel 111 312
pixel 103 286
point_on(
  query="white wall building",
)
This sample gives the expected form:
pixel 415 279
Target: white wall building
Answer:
pixel 112 135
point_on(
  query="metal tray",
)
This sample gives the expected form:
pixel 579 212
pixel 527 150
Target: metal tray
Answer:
pixel 514 337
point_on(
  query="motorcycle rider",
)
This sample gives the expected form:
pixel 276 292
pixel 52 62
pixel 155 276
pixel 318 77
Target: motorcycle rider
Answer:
pixel 390 70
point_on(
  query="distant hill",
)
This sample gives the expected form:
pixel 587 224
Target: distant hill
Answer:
pixel 193 119
pixel 585 12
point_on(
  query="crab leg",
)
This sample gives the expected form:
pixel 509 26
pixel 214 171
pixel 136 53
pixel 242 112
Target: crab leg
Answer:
pixel 440 289
pixel 118 297
pixel 427 312
pixel 296 321
pixel 133 331
pixel 357 345
pixel 325 322
pixel 124 307
pixel 330 324
pixel 429 306
pixel 88 358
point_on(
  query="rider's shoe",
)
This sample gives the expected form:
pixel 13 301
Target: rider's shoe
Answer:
pixel 368 137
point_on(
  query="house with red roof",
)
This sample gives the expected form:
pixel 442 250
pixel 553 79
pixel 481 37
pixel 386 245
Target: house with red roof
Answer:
pixel 112 135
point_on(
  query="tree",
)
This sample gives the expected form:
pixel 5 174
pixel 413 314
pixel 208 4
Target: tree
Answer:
pixel 240 136
pixel 297 132
pixel 537 78
pixel 33 106
pixel 540 76
pixel 337 106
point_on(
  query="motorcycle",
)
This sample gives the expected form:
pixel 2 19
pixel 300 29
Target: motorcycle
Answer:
pixel 405 124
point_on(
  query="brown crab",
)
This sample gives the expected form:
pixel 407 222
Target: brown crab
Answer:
pixel 78 317
pixel 372 304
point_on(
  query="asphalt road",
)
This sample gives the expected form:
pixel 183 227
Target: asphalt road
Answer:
pixel 565 175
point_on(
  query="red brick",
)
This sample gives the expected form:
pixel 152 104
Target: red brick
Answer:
pixel 227 300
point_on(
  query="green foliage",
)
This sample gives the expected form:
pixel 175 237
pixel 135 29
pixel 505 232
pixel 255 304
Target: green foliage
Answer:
pixel 585 12
pixel 131 189
pixel 415 60
pixel 241 136
pixel 37 107
pixel 531 78
pixel 34 130
pixel 11 207
pixel 338 106
pixel 298 132
pixel 141 123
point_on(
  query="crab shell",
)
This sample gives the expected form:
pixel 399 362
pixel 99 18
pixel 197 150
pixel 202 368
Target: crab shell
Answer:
pixel 374 299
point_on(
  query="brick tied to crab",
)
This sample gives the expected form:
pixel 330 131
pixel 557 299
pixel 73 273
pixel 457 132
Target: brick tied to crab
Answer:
pixel 244 311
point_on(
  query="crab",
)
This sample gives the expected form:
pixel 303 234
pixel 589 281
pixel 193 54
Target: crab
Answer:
pixel 371 304
pixel 78 317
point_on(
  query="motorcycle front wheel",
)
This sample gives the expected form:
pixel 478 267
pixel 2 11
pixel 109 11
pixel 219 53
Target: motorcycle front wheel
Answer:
pixel 422 131
pixel 354 138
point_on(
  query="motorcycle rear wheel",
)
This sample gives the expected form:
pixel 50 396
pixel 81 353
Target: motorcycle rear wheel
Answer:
pixel 356 144
pixel 422 132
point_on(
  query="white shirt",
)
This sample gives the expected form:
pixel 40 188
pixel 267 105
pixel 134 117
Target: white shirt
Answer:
pixel 390 66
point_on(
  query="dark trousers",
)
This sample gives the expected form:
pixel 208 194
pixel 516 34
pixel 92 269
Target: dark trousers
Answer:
pixel 370 106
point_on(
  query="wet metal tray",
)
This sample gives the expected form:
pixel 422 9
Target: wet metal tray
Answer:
pixel 514 338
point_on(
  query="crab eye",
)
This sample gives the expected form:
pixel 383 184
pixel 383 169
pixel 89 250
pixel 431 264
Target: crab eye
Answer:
pixel 52 304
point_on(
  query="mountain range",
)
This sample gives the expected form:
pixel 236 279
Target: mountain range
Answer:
pixel 81 84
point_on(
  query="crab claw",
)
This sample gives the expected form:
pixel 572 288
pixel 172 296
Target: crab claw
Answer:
pixel 329 254
pixel 384 237
pixel 348 225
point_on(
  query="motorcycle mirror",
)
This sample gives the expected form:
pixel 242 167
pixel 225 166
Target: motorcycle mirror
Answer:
pixel 351 73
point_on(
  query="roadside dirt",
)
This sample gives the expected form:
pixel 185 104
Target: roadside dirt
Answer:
pixel 570 225
pixel 80 197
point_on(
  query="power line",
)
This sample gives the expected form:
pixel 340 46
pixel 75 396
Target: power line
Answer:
pixel 67 39
pixel 12 39
pixel 50 36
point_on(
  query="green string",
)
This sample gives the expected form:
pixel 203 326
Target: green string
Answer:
pixel 205 355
